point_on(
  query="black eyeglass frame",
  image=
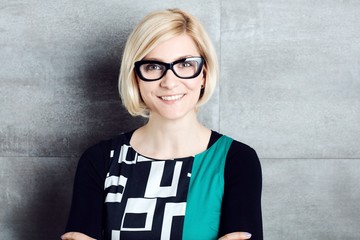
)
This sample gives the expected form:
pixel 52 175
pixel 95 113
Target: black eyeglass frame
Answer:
pixel 199 60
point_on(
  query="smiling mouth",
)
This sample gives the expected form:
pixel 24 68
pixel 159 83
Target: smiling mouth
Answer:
pixel 172 97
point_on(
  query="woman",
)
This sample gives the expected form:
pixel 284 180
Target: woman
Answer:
pixel 172 178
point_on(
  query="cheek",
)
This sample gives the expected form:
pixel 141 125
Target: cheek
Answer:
pixel 196 88
pixel 193 87
pixel 142 92
pixel 145 90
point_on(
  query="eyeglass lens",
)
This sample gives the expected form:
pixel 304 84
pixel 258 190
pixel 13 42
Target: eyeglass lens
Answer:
pixel 184 68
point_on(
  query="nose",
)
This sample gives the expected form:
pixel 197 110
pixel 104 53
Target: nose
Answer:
pixel 169 80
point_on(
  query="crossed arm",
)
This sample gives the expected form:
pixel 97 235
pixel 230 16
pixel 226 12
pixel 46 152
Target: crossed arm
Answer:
pixel 230 236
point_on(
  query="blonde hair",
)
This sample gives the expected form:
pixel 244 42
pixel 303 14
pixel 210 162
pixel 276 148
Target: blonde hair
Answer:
pixel 154 29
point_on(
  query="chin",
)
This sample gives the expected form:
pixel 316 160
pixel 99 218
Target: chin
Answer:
pixel 174 115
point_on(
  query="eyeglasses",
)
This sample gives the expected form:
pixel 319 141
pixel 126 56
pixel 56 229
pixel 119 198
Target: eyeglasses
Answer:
pixel 186 68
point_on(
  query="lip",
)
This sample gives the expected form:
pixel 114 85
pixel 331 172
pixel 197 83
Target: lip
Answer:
pixel 171 98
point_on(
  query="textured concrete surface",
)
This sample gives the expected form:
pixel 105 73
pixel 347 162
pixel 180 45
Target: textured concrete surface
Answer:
pixel 291 77
pixel 35 196
pixel 290 84
pixel 311 198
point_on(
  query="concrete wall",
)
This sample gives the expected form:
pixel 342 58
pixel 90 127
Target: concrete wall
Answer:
pixel 290 87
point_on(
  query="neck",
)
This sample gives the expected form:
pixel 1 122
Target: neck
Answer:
pixel 172 138
pixel 173 127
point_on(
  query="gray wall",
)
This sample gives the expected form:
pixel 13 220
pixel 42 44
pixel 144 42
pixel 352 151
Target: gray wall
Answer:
pixel 290 87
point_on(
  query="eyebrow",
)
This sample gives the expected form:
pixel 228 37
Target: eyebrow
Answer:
pixel 159 60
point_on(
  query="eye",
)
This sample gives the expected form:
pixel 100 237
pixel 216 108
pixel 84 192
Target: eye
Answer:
pixel 152 67
pixel 186 64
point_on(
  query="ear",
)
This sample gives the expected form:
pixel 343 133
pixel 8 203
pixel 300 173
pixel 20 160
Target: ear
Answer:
pixel 203 83
pixel 203 80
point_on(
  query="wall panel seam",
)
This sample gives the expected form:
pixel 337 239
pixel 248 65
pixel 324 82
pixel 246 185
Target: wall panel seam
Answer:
pixel 220 65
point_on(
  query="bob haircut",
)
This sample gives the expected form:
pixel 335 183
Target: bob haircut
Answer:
pixel 154 29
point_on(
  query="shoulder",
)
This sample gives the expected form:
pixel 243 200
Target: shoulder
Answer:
pixel 242 161
pixel 104 146
pixel 237 148
pixel 242 150
pixel 97 154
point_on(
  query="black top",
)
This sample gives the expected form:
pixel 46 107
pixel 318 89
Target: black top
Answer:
pixel 116 194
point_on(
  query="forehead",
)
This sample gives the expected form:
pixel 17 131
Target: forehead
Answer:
pixel 174 48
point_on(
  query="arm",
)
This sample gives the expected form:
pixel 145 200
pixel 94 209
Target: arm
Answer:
pixel 241 208
pixel 88 196
pixel 230 236
pixel 75 236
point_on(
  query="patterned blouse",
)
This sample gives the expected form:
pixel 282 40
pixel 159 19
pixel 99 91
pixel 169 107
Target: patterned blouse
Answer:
pixel 121 194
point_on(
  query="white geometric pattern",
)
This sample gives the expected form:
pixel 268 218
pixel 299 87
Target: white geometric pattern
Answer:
pixel 115 181
pixel 140 205
pixel 153 188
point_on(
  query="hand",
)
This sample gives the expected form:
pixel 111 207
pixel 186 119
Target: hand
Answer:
pixel 236 236
pixel 75 236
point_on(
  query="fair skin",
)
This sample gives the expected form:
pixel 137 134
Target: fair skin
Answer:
pixel 173 128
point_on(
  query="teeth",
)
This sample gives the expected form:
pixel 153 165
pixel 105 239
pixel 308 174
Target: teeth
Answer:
pixel 171 98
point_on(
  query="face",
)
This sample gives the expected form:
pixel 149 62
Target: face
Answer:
pixel 172 97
